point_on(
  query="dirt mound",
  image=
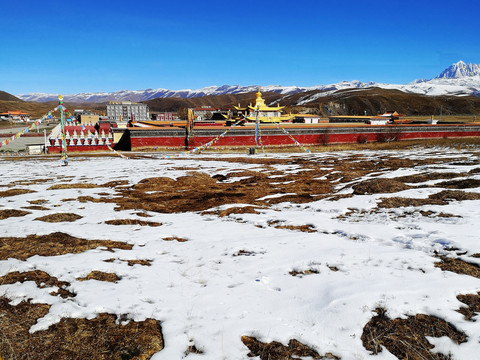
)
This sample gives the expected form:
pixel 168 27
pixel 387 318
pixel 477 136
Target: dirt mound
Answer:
pixel 473 305
pixel 379 186
pixel 6 213
pixel 406 338
pixel 75 339
pixel 277 351
pixel 50 245
pixel 41 278
pixel 59 217
pixel 100 276
pixel 458 266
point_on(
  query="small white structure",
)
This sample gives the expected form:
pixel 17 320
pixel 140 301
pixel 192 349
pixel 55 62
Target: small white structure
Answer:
pixel 378 121
pixel 36 149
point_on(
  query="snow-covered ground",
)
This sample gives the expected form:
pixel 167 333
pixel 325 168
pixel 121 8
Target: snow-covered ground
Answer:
pixel 207 291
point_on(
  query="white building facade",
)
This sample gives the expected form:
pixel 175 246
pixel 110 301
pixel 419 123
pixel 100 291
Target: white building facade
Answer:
pixel 127 110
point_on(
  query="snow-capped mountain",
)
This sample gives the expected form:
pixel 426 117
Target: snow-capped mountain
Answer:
pixel 459 79
pixel 460 70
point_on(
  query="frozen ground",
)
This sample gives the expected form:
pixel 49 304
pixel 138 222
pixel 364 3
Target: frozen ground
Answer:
pixel 232 275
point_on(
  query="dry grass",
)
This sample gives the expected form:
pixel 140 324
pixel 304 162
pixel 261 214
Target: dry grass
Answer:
pixel 440 198
pixel 38 202
pixel 146 262
pixel 51 245
pixel 7 213
pixel 473 305
pixel 73 186
pixel 174 238
pixel 102 338
pixel 59 217
pixel 304 272
pixel 277 351
pixel 36 207
pixel 100 276
pixel 233 210
pixel 406 338
pixel 304 228
pixel 458 266
pixel 132 222
pixel 14 192
pixel 41 278
pixel 379 185
pixel 28 182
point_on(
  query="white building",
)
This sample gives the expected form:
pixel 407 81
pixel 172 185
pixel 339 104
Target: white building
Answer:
pixel 127 110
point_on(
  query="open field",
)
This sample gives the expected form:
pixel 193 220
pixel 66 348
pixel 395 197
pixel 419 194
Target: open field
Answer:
pixel 368 253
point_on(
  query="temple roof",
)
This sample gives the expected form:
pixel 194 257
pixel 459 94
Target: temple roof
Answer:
pixel 259 104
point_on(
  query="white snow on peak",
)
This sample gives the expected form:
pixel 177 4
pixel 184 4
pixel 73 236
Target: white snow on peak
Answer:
pixel 460 70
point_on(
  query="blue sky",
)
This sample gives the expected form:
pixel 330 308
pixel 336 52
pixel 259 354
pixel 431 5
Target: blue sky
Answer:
pixel 82 46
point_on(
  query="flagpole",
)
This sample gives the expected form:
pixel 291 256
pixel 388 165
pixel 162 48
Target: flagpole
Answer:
pixel 62 124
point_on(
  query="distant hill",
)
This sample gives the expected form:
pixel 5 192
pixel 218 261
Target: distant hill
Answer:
pixel 4 96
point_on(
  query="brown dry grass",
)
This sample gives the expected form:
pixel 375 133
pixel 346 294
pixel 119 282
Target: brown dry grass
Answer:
pixel 174 238
pixel 379 185
pixel 132 222
pixel 304 228
pixel 73 186
pixel 233 210
pixel 14 192
pixel 440 198
pixel 100 276
pixel 419 178
pixel 458 266
pixel 406 338
pixel 460 184
pixel 102 338
pixel 35 207
pixel 116 183
pixel 277 351
pixel 28 182
pixel 59 217
pixel 38 202
pixel 146 262
pixel 51 245
pixel 473 305
pixel 200 192
pixel 304 272
pixel 41 278
pixel 7 213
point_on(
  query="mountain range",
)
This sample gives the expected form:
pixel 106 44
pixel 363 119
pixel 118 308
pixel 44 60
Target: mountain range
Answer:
pixel 459 79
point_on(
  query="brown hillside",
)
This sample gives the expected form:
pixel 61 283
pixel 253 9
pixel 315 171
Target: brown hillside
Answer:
pixel 8 97
pixel 217 101
pixel 341 102
pixel 376 100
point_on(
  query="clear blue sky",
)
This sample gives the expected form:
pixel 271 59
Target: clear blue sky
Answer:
pixel 81 46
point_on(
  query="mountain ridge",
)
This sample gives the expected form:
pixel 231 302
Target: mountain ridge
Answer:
pixel 459 79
